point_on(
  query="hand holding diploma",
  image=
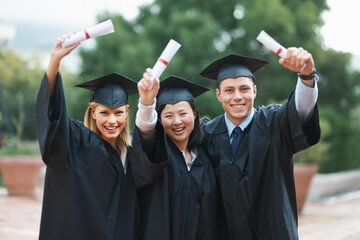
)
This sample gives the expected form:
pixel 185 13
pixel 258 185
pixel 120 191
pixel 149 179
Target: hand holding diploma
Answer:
pixel 274 46
pixel 171 48
pixel 148 89
pixel 92 32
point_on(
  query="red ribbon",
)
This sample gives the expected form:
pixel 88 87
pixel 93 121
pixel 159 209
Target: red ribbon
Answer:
pixel 279 51
pixel 163 61
pixel 87 34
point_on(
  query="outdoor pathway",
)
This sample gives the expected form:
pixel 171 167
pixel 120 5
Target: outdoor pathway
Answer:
pixel 19 216
pixel 334 219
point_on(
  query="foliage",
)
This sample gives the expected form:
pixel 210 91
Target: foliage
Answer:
pixel 207 30
pixel 19 84
pixel 320 152
pixel 18 88
pixel 344 139
pixel 13 146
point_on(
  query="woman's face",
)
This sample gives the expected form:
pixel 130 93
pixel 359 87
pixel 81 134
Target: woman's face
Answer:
pixel 110 121
pixel 178 121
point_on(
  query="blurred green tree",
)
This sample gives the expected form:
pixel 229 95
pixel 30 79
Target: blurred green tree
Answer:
pixel 17 95
pixel 207 31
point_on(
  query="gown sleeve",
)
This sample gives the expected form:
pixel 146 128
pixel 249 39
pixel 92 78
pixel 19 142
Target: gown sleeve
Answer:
pixel 53 125
pixel 152 156
pixel 305 99
pixel 283 126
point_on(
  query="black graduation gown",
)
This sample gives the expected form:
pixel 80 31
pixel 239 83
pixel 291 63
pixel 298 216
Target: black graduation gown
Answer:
pixel 87 195
pixel 180 204
pixel 257 190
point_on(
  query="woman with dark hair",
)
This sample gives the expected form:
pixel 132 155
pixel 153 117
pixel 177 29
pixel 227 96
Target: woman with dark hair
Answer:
pixel 196 134
pixel 90 182
pixel 181 203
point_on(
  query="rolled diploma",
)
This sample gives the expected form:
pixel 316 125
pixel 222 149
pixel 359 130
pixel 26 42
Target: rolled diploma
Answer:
pixel 274 46
pixel 271 44
pixel 100 29
pixel 171 48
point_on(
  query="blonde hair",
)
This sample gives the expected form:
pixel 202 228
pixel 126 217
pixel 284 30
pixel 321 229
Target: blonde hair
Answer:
pixel 124 139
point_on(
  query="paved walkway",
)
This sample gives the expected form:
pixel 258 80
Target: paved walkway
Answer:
pixel 335 219
pixel 19 216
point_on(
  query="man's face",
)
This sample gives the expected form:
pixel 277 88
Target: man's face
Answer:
pixel 237 97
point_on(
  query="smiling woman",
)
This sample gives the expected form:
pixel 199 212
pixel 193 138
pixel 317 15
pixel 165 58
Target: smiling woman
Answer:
pixel 110 121
pixel 182 201
pixel 107 114
pixel 91 181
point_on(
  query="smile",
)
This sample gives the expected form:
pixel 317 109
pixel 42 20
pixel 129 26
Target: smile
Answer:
pixel 178 130
pixel 111 129
pixel 238 106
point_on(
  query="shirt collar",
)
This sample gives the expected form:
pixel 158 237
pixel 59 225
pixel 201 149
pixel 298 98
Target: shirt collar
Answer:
pixel 193 156
pixel 230 126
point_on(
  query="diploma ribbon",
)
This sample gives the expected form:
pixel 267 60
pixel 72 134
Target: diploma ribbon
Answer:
pixel 86 34
pixel 163 61
pixel 100 29
pixel 278 51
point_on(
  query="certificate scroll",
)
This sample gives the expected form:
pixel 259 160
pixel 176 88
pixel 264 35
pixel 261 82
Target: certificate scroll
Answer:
pixel 274 46
pixel 271 44
pixel 100 29
pixel 171 48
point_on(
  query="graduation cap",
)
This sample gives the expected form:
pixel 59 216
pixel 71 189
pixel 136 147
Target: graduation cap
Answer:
pixel 175 89
pixel 111 90
pixel 233 66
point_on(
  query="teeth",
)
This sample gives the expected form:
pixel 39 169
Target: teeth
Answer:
pixel 238 106
pixel 110 128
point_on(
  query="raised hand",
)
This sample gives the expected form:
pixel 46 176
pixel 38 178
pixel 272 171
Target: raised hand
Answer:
pixel 148 94
pixel 295 60
pixel 57 53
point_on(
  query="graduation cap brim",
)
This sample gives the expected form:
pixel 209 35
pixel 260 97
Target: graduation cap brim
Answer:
pixel 111 90
pixel 212 71
pixel 175 89
pixel 113 78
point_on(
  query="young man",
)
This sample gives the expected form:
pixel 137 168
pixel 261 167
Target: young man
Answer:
pixel 252 149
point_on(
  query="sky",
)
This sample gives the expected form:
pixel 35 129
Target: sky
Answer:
pixel 79 12
pixel 339 32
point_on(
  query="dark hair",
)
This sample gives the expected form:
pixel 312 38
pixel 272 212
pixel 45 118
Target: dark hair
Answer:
pixel 196 134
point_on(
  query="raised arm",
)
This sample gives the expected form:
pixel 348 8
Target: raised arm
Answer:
pixel 306 92
pixel 57 54
pixel 146 115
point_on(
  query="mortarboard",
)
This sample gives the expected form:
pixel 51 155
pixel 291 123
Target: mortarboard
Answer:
pixel 233 66
pixel 175 89
pixel 111 90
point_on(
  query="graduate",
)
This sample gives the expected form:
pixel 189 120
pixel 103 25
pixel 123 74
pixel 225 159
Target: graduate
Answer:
pixel 181 203
pixel 252 149
pixel 90 182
